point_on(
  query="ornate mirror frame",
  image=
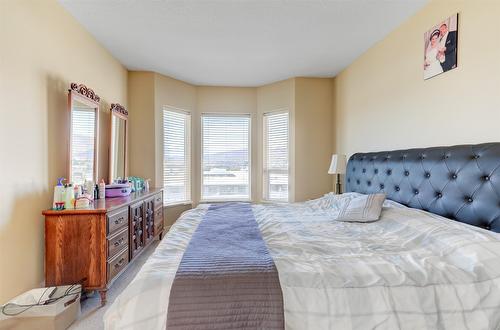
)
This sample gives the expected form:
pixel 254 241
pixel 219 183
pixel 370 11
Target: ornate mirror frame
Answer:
pixel 86 96
pixel 119 111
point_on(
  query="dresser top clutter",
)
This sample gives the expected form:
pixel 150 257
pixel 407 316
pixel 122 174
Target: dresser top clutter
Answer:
pixel 108 204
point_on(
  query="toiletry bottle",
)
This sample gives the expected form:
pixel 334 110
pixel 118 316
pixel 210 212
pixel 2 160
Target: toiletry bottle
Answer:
pixel 102 189
pixel 69 202
pixel 96 192
pixel 78 191
pixel 89 189
pixel 58 193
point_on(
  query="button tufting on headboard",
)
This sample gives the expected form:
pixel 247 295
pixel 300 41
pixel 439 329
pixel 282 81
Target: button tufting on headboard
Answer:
pixel 459 182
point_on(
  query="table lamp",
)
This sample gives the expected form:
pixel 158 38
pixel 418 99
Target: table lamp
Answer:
pixel 337 166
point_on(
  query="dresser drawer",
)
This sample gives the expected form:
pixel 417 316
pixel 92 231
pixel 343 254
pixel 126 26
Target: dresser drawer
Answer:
pixel 158 216
pixel 117 242
pixel 118 219
pixel 158 201
pixel 117 264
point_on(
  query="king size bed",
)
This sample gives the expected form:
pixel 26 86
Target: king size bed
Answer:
pixel 432 260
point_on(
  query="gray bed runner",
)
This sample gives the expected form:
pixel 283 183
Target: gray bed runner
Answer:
pixel 227 278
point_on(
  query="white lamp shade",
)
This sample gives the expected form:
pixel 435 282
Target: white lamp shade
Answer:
pixel 338 164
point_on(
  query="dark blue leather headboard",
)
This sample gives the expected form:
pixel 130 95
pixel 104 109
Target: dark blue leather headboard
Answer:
pixel 458 182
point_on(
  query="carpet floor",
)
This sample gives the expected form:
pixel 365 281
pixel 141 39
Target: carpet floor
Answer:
pixel 92 312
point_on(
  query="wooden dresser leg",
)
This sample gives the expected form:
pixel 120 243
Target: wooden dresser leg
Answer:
pixel 102 293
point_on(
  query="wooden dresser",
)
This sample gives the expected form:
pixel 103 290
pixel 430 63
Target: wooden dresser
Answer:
pixel 94 246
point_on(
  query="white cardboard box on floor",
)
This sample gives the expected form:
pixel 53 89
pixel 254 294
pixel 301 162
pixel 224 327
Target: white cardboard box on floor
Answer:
pixel 56 314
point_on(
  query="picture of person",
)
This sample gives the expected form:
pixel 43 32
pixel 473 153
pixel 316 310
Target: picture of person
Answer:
pixel 433 56
pixel 440 42
pixel 448 47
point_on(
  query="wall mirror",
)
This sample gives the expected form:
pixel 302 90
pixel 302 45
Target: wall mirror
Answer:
pixel 118 143
pixel 83 105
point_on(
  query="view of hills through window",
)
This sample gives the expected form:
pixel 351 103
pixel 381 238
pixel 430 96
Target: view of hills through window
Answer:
pixel 225 157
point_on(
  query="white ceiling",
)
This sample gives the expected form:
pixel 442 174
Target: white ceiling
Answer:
pixel 240 42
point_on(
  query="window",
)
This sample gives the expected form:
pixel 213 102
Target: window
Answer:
pixel 176 156
pixel 275 171
pixel 225 157
pixel 83 142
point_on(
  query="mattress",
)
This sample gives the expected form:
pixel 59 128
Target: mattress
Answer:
pixel 409 270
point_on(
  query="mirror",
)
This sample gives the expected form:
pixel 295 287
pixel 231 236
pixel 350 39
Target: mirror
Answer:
pixel 83 105
pixel 118 143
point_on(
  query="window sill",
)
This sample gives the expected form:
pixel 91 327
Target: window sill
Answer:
pixel 206 201
pixel 174 204
pixel 274 201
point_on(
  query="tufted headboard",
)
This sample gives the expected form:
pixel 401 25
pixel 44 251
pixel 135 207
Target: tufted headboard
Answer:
pixel 458 182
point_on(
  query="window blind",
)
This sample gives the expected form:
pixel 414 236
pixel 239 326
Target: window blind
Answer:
pixel 82 144
pixel 225 157
pixel 176 156
pixel 275 171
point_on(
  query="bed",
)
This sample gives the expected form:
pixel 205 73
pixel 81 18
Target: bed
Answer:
pixel 431 261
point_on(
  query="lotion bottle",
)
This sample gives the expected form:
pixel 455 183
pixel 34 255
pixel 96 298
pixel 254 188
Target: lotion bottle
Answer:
pixel 102 189
pixel 69 197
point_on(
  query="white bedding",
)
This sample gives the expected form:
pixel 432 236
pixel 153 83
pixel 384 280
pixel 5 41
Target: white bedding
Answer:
pixel 409 270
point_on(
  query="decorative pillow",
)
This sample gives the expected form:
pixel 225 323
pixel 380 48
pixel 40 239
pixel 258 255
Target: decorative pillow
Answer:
pixel 364 208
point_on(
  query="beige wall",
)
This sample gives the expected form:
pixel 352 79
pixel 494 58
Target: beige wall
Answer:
pixel 383 103
pixel 148 93
pixel 180 95
pixel 311 100
pixel 313 137
pixel 141 125
pixel 43 50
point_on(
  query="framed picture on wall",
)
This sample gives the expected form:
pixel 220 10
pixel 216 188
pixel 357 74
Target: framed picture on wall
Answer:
pixel 440 47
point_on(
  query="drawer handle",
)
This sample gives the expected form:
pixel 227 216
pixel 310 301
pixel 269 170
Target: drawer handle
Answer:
pixel 119 263
pixel 118 221
pixel 119 242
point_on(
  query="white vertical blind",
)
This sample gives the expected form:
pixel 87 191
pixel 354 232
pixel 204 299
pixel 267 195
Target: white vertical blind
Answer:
pixel 225 157
pixel 276 156
pixel 82 144
pixel 176 156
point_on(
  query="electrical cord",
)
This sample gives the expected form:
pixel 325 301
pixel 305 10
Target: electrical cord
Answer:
pixel 13 306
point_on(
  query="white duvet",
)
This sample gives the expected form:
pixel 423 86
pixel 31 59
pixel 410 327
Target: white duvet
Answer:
pixel 409 270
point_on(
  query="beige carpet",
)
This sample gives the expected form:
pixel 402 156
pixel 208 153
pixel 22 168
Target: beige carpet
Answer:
pixel 92 312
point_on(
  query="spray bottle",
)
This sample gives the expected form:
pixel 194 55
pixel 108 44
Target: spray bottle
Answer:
pixel 58 203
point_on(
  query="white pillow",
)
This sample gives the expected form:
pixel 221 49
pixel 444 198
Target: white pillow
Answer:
pixel 364 208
